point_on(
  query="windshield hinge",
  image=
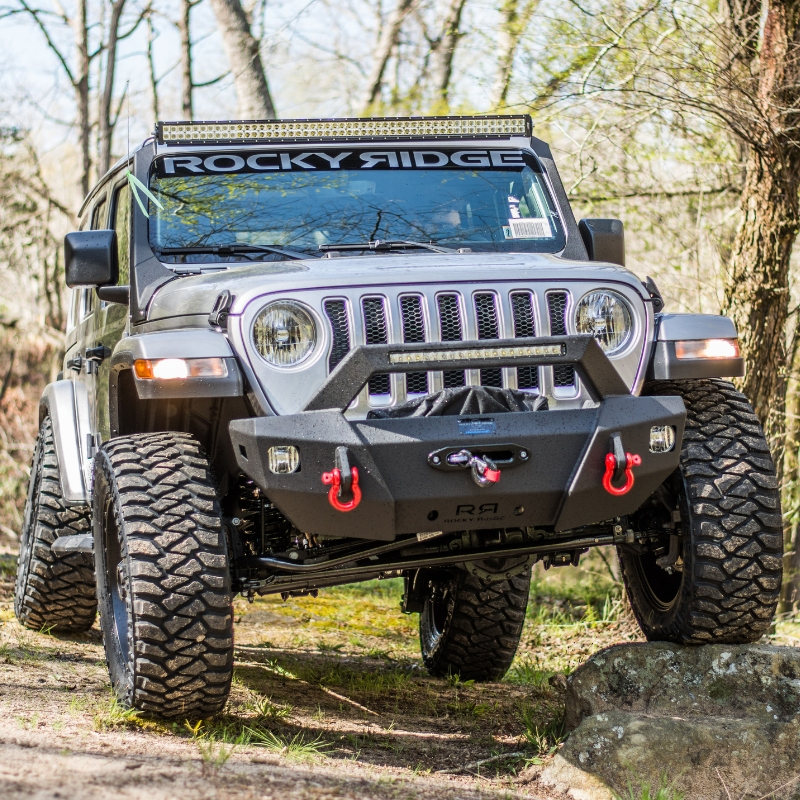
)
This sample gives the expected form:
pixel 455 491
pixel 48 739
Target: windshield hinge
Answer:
pixel 218 318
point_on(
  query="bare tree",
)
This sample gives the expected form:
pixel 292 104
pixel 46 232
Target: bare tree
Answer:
pixel 443 49
pixel 515 18
pixel 387 43
pixel 152 35
pixel 105 122
pixel 187 83
pixel 242 49
pixel 79 73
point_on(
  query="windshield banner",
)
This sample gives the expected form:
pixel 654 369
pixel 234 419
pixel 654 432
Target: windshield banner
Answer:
pixel 294 161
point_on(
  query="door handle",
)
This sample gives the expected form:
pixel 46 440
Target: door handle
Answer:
pixel 98 354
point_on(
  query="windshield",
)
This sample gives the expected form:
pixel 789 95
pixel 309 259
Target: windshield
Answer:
pixel 483 200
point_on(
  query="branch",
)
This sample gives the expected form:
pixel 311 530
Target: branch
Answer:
pixel 34 12
pixel 211 82
pixel 599 198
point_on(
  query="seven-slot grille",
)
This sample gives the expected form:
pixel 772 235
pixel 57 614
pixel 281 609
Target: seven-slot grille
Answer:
pixel 454 317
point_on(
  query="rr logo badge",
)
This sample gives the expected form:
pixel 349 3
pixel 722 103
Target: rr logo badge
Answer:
pixel 470 510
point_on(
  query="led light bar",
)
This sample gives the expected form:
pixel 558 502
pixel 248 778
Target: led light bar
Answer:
pixel 476 353
pixel 376 128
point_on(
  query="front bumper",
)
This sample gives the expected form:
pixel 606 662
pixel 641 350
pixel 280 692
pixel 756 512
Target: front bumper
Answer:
pixel 559 486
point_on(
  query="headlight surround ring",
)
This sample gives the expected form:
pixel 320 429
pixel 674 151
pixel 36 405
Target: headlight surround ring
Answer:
pixel 606 315
pixel 284 333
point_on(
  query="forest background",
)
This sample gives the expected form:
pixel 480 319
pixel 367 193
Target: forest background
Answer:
pixel 677 116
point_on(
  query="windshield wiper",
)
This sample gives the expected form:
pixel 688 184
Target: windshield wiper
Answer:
pixel 232 249
pixel 392 244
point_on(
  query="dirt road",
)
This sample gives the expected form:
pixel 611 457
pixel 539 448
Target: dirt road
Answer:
pixel 328 700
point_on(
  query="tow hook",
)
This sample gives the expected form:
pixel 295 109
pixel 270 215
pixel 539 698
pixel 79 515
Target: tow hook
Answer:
pixel 484 470
pixel 619 464
pixel 342 479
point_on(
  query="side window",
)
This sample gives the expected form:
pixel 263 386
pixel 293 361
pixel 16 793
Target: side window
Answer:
pixel 122 225
pixel 86 303
pixel 72 312
pixel 99 216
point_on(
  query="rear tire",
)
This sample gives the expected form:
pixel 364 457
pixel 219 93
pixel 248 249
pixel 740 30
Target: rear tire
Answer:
pixel 163 576
pixel 53 591
pixel 730 528
pixel 471 627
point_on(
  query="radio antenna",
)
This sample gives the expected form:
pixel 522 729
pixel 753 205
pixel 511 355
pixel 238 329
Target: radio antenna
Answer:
pixel 128 103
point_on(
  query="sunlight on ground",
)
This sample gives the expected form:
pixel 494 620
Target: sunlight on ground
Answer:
pixel 339 678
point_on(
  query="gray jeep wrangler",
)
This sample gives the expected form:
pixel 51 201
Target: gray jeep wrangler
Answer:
pixel 308 353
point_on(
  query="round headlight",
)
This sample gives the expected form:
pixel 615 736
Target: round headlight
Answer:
pixel 284 334
pixel 606 316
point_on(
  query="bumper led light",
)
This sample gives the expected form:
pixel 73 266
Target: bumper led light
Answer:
pixel 376 128
pixel 283 459
pixel 175 369
pixel 662 438
pixel 708 348
pixel 476 353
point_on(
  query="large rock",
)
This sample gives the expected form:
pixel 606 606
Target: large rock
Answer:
pixel 715 721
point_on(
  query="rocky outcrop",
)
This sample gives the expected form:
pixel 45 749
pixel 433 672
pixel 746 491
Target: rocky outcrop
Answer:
pixel 715 721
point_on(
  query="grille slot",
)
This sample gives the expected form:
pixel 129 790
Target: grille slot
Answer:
pixel 557 302
pixel 451 331
pixel 376 332
pixel 486 318
pixel 524 325
pixel 414 331
pixel 337 314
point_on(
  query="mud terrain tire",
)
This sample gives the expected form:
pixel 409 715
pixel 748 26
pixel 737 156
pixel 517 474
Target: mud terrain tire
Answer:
pixel 727 494
pixel 470 627
pixel 53 591
pixel 163 576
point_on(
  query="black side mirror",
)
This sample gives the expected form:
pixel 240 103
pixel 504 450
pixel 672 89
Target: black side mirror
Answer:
pixel 90 258
pixel 604 240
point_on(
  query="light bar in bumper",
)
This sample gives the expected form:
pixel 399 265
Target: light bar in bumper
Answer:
pixel 560 484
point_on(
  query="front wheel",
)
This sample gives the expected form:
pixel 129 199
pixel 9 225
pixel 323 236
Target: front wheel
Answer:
pixel 163 576
pixel 471 626
pixel 710 570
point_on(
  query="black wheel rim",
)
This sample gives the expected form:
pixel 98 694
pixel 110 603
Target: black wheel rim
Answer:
pixel 117 584
pixel 663 589
pixel 437 610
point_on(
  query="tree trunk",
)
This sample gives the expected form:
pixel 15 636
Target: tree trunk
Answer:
pixel 81 85
pixel 443 52
pixel 757 288
pixel 242 49
pixel 513 26
pixel 105 124
pixel 187 83
pixel 383 52
pixel 151 63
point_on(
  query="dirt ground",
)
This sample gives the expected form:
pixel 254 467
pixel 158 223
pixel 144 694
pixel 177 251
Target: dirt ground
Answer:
pixel 329 700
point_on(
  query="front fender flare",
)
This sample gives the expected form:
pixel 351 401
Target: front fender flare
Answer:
pixel 59 402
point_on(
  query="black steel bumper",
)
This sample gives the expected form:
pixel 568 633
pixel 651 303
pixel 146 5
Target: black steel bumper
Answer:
pixel 559 485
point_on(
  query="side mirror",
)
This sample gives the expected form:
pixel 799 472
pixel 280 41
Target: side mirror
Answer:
pixel 90 258
pixel 604 240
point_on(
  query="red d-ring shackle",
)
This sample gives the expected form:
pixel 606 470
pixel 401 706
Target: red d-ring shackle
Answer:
pixel 334 479
pixel 631 461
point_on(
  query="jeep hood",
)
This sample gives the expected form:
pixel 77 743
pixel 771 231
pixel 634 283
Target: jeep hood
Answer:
pixel 193 296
